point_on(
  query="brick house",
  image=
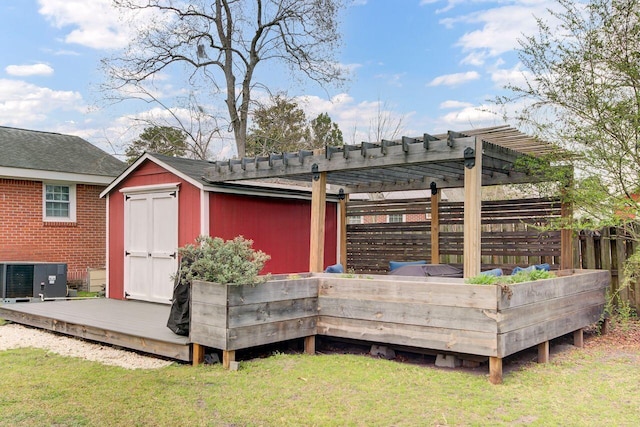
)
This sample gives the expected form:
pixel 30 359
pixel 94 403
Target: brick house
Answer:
pixel 50 205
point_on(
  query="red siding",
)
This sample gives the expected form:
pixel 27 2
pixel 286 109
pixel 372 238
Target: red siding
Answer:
pixel 24 236
pixel 148 173
pixel 278 227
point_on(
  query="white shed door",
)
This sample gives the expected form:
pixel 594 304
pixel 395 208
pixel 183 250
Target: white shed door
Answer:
pixel 151 245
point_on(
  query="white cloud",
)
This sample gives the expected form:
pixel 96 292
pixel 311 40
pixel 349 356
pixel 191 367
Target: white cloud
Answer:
pixel 29 70
pixel 394 80
pixel 475 58
pixel 450 104
pixel 501 27
pixel 96 24
pixel 23 103
pixel 471 117
pixel 356 119
pixel 454 79
pixel 515 76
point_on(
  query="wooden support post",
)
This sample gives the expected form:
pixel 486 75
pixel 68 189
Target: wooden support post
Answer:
pixel 228 356
pixel 495 370
pixel 578 338
pixel 472 213
pixel 310 345
pixel 197 354
pixel 343 231
pixel 435 228
pixel 543 352
pixel 566 238
pixel 318 214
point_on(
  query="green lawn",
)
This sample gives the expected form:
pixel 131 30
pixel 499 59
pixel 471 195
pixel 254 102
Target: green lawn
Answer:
pixel 589 387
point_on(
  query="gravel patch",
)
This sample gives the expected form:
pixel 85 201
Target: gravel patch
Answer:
pixel 17 336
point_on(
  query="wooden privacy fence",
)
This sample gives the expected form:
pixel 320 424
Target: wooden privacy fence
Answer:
pixel 608 249
pixel 512 235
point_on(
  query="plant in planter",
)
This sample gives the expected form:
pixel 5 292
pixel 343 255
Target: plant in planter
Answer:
pixel 216 260
pixel 520 277
pixel 505 281
pixel 213 260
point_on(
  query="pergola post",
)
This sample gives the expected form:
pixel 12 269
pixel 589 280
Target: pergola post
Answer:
pixel 343 231
pixel 435 227
pixel 318 214
pixel 566 238
pixel 472 209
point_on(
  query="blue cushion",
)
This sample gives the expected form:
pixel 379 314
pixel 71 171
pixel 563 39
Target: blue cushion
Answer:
pixel 494 272
pixel 531 268
pixel 397 264
pixel 544 267
pixel 336 268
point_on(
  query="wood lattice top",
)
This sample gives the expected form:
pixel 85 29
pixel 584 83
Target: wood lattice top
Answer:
pixel 405 164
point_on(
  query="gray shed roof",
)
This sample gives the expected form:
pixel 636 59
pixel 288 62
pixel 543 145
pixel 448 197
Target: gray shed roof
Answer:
pixel 48 151
pixel 193 168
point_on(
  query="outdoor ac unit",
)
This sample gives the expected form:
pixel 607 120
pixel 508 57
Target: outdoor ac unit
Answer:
pixel 21 281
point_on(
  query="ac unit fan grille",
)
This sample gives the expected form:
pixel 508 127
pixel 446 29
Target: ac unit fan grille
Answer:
pixel 19 281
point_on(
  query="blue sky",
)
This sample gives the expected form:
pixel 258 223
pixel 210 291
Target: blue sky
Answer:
pixel 430 64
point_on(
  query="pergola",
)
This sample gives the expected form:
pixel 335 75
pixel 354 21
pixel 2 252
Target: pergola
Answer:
pixel 468 159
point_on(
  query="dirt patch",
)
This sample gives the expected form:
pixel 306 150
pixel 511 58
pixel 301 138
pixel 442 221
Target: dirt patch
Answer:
pixel 621 335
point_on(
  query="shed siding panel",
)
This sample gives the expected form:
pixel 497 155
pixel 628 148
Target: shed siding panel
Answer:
pixel 148 173
pixel 278 227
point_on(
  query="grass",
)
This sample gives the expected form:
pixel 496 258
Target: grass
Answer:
pixel 578 388
pixel 87 294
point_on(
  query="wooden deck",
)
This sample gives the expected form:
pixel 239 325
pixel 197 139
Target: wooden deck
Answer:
pixel 134 325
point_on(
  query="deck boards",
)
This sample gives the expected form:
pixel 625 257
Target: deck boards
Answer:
pixel 131 324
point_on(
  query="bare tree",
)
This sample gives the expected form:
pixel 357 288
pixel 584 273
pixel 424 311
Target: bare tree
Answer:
pixel 385 124
pixel 223 41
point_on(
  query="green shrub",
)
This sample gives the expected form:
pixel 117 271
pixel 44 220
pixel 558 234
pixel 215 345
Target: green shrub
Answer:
pixel 216 260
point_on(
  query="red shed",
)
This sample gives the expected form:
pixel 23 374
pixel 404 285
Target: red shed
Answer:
pixel 160 203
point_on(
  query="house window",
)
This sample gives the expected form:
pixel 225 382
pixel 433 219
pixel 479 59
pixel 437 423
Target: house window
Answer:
pixel 354 219
pixel 59 202
pixel 395 218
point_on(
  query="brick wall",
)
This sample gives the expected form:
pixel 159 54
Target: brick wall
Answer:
pixel 380 219
pixel 24 236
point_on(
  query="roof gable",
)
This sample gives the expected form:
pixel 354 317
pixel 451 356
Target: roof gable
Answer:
pixel 54 152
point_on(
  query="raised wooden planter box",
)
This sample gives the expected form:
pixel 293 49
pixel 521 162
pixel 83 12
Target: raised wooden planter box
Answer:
pixel 451 316
pixel 441 314
pixel 231 317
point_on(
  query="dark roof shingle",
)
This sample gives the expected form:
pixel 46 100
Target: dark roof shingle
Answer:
pixel 48 151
